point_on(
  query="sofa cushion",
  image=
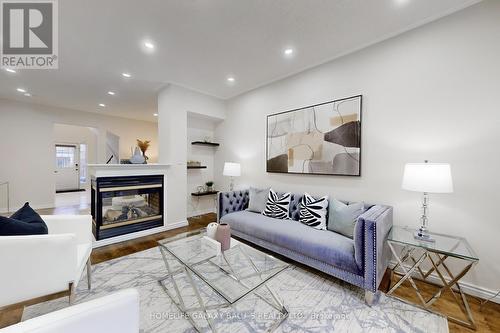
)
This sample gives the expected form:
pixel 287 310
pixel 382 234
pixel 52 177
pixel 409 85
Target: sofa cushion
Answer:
pixel 325 246
pixel 313 211
pixel 294 210
pixel 342 217
pixel 28 215
pixel 258 199
pixel 23 222
pixel 277 205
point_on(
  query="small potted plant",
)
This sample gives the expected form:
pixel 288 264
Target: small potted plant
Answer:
pixel 210 186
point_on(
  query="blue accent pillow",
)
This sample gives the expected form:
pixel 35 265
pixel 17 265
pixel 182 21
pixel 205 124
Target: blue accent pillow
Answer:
pixel 23 222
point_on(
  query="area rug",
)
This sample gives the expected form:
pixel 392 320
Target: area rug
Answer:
pixel 316 303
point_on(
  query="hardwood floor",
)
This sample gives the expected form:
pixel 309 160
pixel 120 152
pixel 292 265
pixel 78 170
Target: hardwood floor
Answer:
pixel 10 317
pixel 487 318
pixel 124 248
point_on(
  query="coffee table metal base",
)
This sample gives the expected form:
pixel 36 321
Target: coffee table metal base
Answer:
pixel 178 299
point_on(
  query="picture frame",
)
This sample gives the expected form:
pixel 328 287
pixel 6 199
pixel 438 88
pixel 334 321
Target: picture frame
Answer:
pixel 320 139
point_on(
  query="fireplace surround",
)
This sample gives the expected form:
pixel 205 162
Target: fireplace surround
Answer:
pixel 125 204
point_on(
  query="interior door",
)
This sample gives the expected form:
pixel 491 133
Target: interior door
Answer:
pixel 67 167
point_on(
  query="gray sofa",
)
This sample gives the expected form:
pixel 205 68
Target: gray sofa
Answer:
pixel 360 261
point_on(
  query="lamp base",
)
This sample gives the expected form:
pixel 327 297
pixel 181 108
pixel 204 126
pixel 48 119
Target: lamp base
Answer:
pixel 423 235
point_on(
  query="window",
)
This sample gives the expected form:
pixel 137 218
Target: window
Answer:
pixel 83 163
pixel 65 156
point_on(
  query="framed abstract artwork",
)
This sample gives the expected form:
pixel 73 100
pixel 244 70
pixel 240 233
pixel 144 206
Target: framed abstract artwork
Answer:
pixel 321 139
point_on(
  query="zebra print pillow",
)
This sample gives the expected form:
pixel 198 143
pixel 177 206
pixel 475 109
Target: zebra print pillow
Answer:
pixel 277 206
pixel 312 212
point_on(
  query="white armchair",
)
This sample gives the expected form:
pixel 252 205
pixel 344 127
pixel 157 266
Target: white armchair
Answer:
pixel 41 267
pixel 115 313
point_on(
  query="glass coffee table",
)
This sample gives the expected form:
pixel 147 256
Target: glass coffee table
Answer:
pixel 201 279
pixel 420 259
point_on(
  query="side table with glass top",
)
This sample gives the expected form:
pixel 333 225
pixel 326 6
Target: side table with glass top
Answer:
pixel 416 259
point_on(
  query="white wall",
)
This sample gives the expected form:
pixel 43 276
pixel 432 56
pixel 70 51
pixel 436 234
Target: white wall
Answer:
pixel 27 144
pixel 174 105
pixel 431 93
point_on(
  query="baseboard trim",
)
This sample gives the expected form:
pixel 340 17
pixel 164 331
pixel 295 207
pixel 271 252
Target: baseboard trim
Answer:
pixel 122 238
pixel 13 209
pixel 468 288
pixel 201 212
pixel 70 191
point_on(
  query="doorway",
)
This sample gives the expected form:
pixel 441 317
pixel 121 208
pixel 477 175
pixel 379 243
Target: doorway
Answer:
pixel 67 159
pixel 74 148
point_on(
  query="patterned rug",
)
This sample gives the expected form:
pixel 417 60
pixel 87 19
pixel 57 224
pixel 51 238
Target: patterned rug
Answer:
pixel 315 303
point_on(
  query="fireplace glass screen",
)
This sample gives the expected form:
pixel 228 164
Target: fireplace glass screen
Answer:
pixel 122 205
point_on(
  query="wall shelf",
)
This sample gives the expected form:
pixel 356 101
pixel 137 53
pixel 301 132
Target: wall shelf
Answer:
pixel 196 166
pixel 200 194
pixel 204 143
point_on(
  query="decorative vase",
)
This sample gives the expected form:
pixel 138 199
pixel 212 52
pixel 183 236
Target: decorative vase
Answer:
pixel 223 236
pixel 137 158
pixel 212 229
pixel 143 146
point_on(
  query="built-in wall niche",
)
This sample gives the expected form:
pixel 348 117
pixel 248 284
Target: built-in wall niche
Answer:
pixel 206 143
pixel 201 148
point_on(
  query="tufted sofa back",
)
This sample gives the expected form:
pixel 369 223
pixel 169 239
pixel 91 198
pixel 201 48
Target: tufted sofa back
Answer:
pixel 232 202
pixel 294 206
pixel 238 200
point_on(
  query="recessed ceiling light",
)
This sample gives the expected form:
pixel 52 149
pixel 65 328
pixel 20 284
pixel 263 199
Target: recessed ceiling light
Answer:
pixel 288 52
pixel 112 93
pixel 27 94
pixel 155 114
pixel 231 79
pixel 401 2
pixel 149 45
pixel 102 105
pixel 10 70
pixel 21 90
pixel 127 75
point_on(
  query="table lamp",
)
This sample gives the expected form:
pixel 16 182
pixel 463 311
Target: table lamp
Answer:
pixel 427 178
pixel 232 170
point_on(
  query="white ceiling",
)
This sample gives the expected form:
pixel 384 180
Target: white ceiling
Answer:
pixel 200 42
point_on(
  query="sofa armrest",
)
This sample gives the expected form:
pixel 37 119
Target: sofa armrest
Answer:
pixel 34 266
pixel 228 202
pixel 118 312
pixel 370 239
pixel 79 225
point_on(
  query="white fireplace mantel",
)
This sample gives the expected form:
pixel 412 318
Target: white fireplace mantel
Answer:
pixel 111 170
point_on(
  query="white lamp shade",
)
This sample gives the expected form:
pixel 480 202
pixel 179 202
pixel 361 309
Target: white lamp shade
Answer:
pixel 232 169
pixel 428 177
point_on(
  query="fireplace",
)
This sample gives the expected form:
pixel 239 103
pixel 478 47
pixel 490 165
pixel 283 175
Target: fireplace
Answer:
pixel 126 204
